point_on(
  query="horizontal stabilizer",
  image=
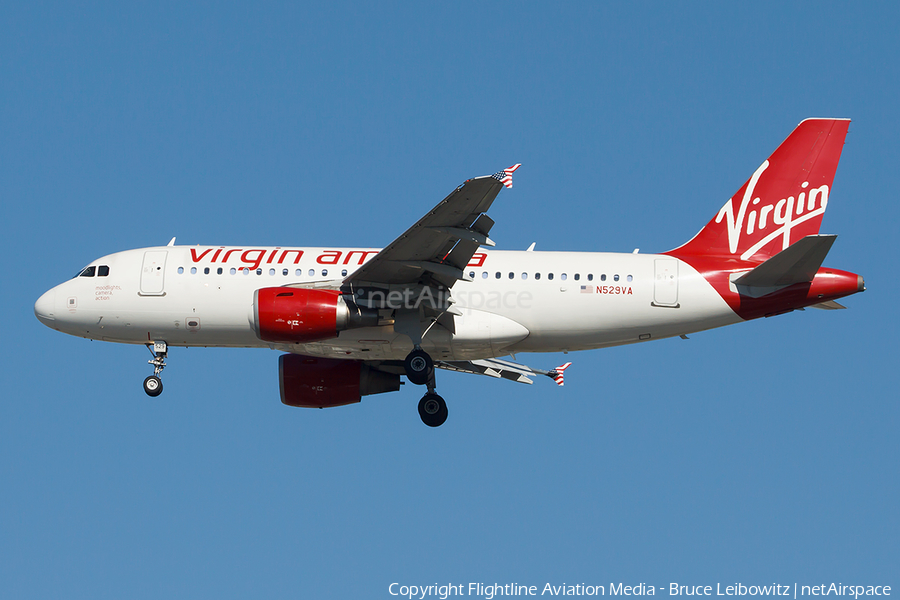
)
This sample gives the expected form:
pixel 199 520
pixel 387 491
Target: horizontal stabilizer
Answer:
pixel 798 263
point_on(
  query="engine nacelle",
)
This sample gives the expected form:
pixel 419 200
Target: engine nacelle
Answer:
pixel 300 315
pixel 313 382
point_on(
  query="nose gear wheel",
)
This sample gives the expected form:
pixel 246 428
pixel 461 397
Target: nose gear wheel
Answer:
pixel 153 384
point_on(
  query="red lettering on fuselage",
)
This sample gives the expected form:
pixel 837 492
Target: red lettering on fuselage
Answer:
pixel 363 255
pixel 477 260
pixel 254 257
pixel 196 258
pixel 228 253
pixel 245 258
pixel 329 257
pixel 614 289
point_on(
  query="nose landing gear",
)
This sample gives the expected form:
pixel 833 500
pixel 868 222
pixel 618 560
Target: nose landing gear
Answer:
pixel 153 384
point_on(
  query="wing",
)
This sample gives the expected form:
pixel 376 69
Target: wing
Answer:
pixel 435 250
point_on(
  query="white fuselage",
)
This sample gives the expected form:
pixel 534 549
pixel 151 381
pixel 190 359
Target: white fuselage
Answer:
pixel 515 302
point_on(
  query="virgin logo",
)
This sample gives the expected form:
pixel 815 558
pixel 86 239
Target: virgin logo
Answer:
pixel 783 215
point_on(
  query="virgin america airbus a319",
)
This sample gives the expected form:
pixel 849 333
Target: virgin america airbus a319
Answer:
pixel 352 322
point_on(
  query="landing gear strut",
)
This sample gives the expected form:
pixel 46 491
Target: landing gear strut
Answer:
pixel 153 385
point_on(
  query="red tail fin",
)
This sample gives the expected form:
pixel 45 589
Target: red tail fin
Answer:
pixel 782 202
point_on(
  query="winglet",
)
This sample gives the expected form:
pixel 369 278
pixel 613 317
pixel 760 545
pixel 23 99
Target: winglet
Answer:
pixel 505 176
pixel 559 372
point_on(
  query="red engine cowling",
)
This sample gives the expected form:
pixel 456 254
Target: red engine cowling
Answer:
pixel 300 315
pixel 295 314
pixel 313 382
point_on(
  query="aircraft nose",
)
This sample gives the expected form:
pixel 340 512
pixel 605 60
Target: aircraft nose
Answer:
pixel 44 307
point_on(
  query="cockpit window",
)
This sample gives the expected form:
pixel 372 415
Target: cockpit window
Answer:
pixel 87 272
pixel 102 271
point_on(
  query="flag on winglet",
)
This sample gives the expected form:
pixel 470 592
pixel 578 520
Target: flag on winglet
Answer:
pixel 560 370
pixel 505 176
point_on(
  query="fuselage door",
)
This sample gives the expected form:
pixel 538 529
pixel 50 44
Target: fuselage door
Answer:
pixel 665 282
pixel 153 273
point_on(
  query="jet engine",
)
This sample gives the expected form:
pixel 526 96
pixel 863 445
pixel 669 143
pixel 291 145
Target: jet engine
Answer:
pixel 300 315
pixel 314 382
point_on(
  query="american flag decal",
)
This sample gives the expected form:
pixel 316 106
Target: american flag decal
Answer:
pixel 560 370
pixel 505 176
pixel 587 289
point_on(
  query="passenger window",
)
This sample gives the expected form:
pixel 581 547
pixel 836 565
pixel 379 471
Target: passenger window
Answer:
pixel 629 278
pixel 312 272
pixel 524 275
pixel 102 271
pixel 246 270
pixel 471 274
pixel 219 271
pixel 512 275
pixel 180 270
pixel 233 270
pixel 206 270
pixel 616 277
pixel 271 272
pixel 577 276
pixel 324 272
pixel 563 276
pixel 87 272
pixel 497 276
pixel 537 275
pixel 603 277
pixel 193 270
pixel 484 275
pixel 590 276
pixel 298 273
pixel 549 275
pixel 284 272
pixel 343 272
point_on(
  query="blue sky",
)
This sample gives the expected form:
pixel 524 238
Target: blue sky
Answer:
pixel 763 452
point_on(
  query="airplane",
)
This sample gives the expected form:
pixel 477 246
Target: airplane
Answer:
pixel 353 321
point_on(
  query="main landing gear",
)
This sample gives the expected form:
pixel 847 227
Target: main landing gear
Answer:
pixel 153 384
pixel 420 371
